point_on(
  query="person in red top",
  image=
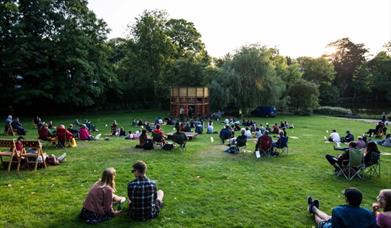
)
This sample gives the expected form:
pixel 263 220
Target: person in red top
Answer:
pixel 264 143
pixel 63 135
pixel 84 133
pixel 19 144
pixel 158 135
pixel 44 133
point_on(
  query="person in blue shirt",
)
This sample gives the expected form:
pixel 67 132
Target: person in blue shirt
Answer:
pixel 225 133
pixel 349 215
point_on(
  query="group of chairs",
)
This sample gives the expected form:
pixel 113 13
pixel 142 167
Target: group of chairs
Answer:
pixel 179 142
pixel 356 166
pixel 19 156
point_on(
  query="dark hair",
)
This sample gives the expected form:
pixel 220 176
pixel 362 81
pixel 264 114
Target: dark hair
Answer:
pixel 352 145
pixel 334 130
pixel 140 166
pixel 19 138
pixel 158 126
pixel 353 196
pixel 387 198
pixel 372 147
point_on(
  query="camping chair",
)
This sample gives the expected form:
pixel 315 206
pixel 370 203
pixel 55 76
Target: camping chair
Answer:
pixel 282 146
pixel 10 145
pixel 242 145
pixel 355 166
pixel 373 169
pixel 157 139
pixel 181 141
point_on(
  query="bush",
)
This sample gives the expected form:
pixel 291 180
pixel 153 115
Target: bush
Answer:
pixel 333 111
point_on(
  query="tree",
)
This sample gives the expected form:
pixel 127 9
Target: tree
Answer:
pixel 54 54
pixel 321 72
pixel 380 67
pixel 347 58
pixel 303 96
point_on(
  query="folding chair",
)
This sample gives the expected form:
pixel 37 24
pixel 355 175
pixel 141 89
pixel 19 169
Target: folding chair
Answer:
pixel 10 145
pixel 39 154
pixel 180 140
pixel 373 169
pixel 282 147
pixel 157 139
pixel 355 166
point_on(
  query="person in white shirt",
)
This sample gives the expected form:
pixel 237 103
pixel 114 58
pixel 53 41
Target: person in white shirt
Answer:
pixel 247 133
pixel 210 128
pixel 334 137
pixel 258 133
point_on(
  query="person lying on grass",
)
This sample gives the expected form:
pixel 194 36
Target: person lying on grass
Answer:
pixel 383 219
pixel 145 201
pixel 349 215
pixel 385 142
pixel 98 206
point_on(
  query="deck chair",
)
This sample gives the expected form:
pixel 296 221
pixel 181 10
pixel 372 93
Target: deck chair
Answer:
pixel 282 146
pixel 9 130
pixel 11 153
pixel 38 155
pixel 355 166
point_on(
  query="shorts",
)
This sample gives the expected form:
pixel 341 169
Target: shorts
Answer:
pixel 325 224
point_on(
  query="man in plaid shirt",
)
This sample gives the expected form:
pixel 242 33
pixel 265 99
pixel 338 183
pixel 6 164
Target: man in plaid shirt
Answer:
pixel 145 200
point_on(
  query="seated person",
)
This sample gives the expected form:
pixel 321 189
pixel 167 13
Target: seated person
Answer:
pixel 37 121
pixel 158 135
pixel 84 133
pixel 63 135
pixel 90 125
pixel 72 130
pixel 360 144
pixel 148 127
pixel 386 142
pixel 145 200
pixel 267 128
pixel 209 130
pixel 187 128
pixel 348 138
pixel 179 138
pixel 199 128
pixel 264 143
pixel 281 142
pixel 350 215
pixel 114 128
pixel 225 134
pixel 241 140
pixel 275 129
pixel 122 132
pixel 334 137
pixel 44 133
pixel 378 129
pixel 248 133
pixel 98 206
pixel 342 159
pixel 371 154
pixel 282 125
pixel 258 133
pixel 383 218
pixel 143 137
pixel 17 125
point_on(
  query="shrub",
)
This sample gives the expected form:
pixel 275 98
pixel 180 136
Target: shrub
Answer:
pixel 333 111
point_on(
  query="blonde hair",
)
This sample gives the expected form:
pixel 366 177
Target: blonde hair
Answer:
pixel 108 178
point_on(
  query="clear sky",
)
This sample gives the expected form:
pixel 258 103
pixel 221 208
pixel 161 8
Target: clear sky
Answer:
pixel 295 27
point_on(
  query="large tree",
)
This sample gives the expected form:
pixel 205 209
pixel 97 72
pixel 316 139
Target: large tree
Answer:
pixel 347 59
pixel 53 52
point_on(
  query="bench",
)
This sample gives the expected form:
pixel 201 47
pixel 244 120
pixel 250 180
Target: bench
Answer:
pixel 12 153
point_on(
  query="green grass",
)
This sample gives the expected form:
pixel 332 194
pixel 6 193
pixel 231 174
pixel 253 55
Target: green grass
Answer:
pixel 204 186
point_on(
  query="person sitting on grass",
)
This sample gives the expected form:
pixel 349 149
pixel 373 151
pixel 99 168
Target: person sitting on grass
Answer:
pixel 349 215
pixel 264 144
pixel 114 128
pixel 98 206
pixel 275 129
pixel 63 135
pixel 383 219
pixel 187 127
pixel 334 137
pixel 44 133
pixel 84 133
pixel 349 137
pixel 72 130
pixel 143 137
pixel 342 159
pixel 385 142
pixel 248 133
pixel 145 201
pixel 379 129
pixel 225 133
pixel 360 144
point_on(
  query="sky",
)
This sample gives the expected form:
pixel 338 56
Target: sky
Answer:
pixel 295 27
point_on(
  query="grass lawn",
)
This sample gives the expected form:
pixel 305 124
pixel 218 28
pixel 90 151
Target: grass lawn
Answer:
pixel 204 187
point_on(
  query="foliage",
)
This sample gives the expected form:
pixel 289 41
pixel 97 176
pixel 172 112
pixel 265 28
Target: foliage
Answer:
pixel 303 96
pixel 333 111
pixel 380 66
pixel 202 185
pixel 46 50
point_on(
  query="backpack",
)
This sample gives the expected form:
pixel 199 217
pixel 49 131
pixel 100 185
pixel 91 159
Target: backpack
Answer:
pixel 148 145
pixel 168 146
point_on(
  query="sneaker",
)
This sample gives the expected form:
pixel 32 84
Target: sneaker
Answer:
pixel 310 204
pixel 316 204
pixel 62 157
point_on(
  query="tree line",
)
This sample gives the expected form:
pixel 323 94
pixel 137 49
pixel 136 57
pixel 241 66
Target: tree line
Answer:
pixel 55 57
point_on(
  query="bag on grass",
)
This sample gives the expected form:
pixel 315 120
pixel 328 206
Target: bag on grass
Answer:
pixel 73 142
pixel 148 145
pixel 168 146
